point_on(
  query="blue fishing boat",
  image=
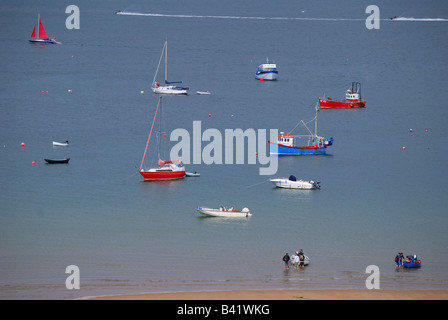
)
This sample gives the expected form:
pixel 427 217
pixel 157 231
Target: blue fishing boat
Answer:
pixel 267 71
pixel 314 145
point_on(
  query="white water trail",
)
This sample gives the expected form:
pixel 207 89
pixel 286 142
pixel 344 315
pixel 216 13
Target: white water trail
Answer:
pixel 273 18
pixel 229 17
pixel 421 19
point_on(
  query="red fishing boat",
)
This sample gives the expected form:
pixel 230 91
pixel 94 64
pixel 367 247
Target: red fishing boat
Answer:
pixel 39 35
pixel 352 99
pixel 166 169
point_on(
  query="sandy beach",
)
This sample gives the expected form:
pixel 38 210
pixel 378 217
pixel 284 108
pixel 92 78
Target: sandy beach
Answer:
pixel 289 295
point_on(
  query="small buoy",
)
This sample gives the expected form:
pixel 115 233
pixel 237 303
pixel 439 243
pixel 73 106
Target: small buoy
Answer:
pixel 404 148
pixel 232 115
pixel 43 91
pixel 142 92
pixel 69 90
pixel 22 144
pixel 256 153
pixel 209 115
pixel 261 79
pixel 410 130
pixel 33 163
pixel 164 135
pixel 426 130
pixel 46 91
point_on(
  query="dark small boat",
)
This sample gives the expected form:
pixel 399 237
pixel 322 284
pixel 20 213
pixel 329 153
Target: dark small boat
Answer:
pixel 53 161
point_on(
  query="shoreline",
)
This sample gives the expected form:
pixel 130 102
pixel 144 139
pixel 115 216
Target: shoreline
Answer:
pixel 331 294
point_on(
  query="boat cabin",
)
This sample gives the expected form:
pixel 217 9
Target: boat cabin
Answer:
pixel 267 67
pixel 354 94
pixel 286 139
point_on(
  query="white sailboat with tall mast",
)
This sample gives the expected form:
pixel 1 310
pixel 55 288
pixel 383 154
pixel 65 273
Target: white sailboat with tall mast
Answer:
pixel 169 87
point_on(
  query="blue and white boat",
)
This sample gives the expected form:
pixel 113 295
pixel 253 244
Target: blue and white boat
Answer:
pixel 286 143
pixel 412 262
pixel 267 71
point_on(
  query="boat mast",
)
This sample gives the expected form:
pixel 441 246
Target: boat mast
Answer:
pixel 158 66
pixel 150 132
pixel 37 26
pixel 159 135
pixel 166 61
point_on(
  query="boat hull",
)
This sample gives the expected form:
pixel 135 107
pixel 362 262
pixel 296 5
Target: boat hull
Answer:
pixel 223 214
pixel 60 144
pixel 170 90
pixel 152 175
pixel 266 75
pixel 50 41
pixel 55 161
pixel 411 264
pixel 279 149
pixel 344 104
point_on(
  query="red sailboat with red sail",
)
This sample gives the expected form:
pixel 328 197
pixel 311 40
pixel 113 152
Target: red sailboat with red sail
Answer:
pixel 166 169
pixel 39 35
pixel 352 99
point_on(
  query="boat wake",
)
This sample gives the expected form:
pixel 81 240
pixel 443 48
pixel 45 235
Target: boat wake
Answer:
pixel 420 19
pixel 272 18
pixel 230 17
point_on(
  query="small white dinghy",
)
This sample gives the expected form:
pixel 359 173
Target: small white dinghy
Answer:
pixel 224 212
pixel 306 260
pixel 203 93
pixel 192 174
pixel 293 183
pixel 60 144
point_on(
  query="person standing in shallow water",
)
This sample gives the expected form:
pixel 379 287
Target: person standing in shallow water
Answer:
pixel 286 259
pixel 302 259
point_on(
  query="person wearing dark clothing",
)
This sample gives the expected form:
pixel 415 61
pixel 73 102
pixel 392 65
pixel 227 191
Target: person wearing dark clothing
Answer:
pixel 286 259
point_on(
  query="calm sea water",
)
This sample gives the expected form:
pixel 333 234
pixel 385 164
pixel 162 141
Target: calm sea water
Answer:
pixel 129 236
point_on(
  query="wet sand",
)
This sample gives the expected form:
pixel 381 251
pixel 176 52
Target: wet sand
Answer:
pixel 288 295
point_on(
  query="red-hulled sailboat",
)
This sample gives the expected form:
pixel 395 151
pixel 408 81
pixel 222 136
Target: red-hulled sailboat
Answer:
pixel 39 35
pixel 166 169
pixel 352 99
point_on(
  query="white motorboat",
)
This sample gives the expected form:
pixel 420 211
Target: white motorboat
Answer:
pixel 60 144
pixel 293 183
pixel 224 212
